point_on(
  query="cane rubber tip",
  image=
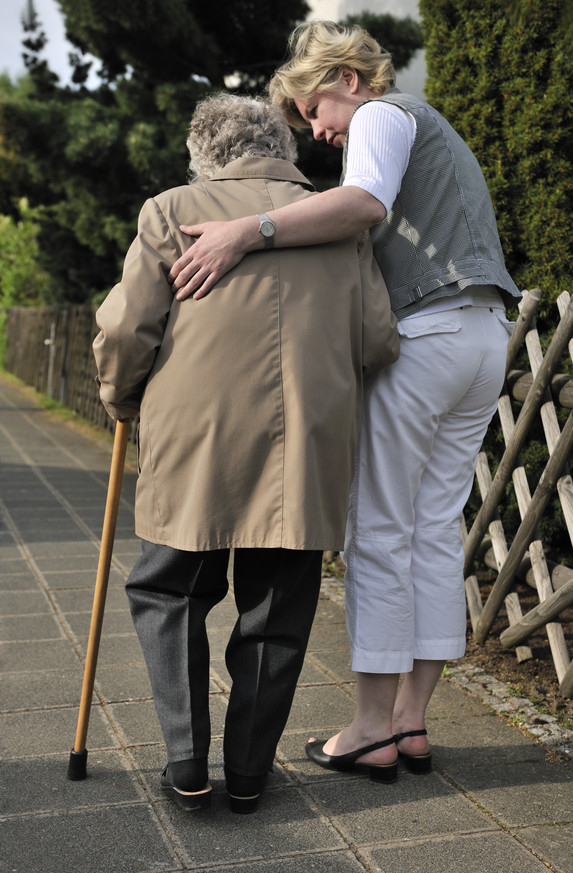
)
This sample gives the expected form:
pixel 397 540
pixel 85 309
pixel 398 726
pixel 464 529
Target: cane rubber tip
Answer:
pixel 77 768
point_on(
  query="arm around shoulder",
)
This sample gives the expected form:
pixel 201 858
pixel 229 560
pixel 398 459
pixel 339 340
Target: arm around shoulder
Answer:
pixel 326 217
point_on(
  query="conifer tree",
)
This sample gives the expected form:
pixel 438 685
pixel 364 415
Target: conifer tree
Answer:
pixel 34 43
pixel 86 159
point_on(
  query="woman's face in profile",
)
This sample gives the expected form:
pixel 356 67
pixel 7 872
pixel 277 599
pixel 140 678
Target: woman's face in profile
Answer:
pixel 329 112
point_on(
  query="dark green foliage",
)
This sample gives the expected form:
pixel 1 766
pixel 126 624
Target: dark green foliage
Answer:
pixel 33 44
pixel 169 40
pixel 402 37
pixel 89 158
pixel 502 74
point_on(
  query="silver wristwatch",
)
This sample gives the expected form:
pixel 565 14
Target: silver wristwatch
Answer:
pixel 267 229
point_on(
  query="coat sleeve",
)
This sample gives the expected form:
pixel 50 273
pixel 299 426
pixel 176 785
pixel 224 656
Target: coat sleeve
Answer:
pixel 133 316
pixel 380 341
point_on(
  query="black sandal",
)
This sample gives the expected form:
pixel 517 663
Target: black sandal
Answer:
pixel 415 763
pixel 347 763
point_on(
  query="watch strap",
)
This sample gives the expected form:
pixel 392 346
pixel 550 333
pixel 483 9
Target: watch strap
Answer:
pixel 269 238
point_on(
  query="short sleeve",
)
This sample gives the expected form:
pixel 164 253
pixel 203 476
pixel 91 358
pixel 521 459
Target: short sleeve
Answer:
pixel 380 139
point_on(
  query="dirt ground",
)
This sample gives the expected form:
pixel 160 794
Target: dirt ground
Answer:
pixel 534 679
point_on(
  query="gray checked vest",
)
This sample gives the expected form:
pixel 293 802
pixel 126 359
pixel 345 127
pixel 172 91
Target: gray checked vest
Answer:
pixel 440 235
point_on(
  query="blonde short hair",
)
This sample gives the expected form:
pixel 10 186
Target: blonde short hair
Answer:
pixel 226 127
pixel 317 51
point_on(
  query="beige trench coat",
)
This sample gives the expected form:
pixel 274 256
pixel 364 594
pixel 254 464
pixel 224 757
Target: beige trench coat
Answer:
pixel 249 398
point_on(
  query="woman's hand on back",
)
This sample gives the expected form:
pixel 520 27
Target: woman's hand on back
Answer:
pixel 331 215
pixel 220 246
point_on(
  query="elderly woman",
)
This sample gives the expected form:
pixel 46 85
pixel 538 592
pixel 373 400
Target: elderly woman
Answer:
pixel 249 406
pixel 409 175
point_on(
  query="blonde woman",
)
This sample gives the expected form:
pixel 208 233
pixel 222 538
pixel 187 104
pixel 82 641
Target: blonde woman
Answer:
pixel 411 179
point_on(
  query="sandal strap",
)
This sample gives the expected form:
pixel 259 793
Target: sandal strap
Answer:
pixel 420 733
pixel 381 745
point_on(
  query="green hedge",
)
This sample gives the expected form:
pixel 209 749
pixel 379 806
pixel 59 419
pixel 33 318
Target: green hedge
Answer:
pixel 502 74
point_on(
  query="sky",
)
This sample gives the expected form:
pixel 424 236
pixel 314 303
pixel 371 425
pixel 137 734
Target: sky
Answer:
pixel 57 49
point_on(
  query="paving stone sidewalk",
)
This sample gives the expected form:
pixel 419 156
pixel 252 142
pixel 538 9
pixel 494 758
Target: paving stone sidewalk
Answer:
pixel 499 799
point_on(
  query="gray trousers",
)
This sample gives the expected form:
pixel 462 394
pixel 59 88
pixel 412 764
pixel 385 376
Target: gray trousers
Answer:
pixel 171 592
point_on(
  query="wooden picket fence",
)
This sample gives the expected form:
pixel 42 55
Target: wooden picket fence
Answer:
pixel 50 348
pixel 524 560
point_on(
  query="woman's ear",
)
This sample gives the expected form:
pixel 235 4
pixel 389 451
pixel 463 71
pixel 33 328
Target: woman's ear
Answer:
pixel 350 77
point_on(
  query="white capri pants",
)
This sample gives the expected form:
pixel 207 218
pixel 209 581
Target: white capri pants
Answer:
pixel 423 422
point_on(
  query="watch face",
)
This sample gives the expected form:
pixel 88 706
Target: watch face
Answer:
pixel 267 228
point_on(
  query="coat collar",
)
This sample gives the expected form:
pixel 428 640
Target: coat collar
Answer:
pixel 262 168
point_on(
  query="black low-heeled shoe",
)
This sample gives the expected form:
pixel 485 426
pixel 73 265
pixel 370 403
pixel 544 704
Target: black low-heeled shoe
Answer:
pixel 244 792
pixel 415 763
pixel 188 801
pixel 347 763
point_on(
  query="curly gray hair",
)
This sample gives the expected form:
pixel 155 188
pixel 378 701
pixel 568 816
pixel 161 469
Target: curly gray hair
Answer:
pixel 226 127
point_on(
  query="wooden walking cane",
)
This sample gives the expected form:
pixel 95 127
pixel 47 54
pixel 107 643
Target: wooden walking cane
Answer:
pixel 77 767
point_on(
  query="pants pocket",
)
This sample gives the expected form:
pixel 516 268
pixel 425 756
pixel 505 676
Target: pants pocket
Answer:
pixel 449 321
pixel 509 326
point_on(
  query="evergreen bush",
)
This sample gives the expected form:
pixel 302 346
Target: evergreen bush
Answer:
pixel 502 74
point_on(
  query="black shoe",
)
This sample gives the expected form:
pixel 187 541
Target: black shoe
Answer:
pixel 415 763
pixel 185 800
pixel 244 791
pixel 347 763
